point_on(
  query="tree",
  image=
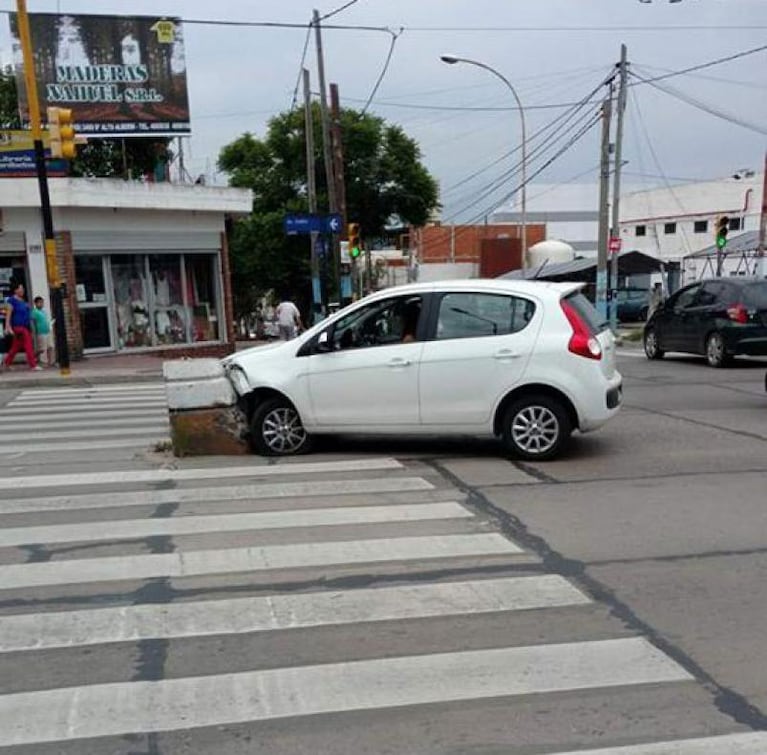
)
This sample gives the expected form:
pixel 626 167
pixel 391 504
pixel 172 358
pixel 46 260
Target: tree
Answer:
pixel 386 184
pixel 9 99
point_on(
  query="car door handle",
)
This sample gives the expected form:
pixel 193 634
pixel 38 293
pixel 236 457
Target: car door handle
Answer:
pixel 399 363
pixel 506 354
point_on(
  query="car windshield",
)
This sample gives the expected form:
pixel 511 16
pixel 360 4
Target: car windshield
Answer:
pixel 595 322
pixel 755 295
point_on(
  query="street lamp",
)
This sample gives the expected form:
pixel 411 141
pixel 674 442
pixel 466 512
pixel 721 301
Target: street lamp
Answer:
pixel 452 60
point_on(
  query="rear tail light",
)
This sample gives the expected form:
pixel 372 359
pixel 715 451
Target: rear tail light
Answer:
pixel 582 342
pixel 738 313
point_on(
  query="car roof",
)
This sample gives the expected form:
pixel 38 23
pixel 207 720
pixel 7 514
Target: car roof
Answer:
pixel 530 287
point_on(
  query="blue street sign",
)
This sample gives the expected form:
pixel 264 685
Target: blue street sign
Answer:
pixel 302 223
pixel 333 223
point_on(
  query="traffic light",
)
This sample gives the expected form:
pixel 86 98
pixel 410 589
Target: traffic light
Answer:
pixel 355 243
pixel 62 133
pixel 722 226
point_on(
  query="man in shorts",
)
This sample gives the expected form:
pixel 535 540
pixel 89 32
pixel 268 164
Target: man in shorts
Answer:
pixel 41 325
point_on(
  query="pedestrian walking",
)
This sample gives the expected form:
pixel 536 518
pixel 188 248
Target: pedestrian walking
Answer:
pixel 18 323
pixel 41 325
pixel 288 319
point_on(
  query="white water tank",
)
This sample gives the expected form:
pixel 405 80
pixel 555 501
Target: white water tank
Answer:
pixel 551 252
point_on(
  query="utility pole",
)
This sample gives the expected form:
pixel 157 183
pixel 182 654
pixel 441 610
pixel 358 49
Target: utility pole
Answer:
pixel 604 215
pixel 311 187
pixel 54 281
pixel 345 291
pixel 616 232
pixel 326 142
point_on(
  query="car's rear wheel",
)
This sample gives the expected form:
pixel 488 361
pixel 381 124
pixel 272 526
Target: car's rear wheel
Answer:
pixel 716 353
pixel 276 429
pixel 652 348
pixel 536 428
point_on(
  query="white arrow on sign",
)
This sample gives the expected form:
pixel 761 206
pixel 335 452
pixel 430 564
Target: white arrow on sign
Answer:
pixel 334 224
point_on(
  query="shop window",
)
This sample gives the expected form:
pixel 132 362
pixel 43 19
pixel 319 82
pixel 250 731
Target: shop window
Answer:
pixel 134 325
pixel 201 296
pixel 170 320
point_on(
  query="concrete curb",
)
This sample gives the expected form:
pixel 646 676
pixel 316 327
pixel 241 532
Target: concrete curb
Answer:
pixel 7 381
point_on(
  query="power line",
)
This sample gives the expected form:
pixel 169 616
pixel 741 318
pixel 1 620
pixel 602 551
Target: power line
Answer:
pixel 301 67
pixel 710 109
pixel 394 38
pixel 709 64
pixel 338 10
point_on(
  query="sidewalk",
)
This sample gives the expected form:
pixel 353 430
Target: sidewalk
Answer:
pixel 122 368
pixel 95 370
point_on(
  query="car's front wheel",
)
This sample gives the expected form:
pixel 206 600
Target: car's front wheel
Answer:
pixel 652 348
pixel 716 353
pixel 536 428
pixel 276 429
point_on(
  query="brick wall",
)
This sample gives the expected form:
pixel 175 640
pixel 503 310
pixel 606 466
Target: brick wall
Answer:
pixel 434 243
pixel 66 262
pixel 216 350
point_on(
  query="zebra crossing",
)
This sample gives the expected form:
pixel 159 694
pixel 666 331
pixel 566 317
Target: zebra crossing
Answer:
pixel 259 607
pixel 86 419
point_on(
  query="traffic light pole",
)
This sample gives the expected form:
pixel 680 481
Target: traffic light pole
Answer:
pixel 54 281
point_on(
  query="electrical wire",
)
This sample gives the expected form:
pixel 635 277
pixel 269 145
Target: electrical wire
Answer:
pixel 659 168
pixel 709 64
pixel 586 100
pixel 394 37
pixel 710 109
pixel 338 10
pixel 301 67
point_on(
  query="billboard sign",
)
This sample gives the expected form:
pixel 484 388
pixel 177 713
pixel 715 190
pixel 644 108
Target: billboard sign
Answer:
pixel 17 156
pixel 120 75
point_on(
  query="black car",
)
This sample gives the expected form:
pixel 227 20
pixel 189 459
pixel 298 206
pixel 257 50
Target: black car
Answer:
pixel 718 318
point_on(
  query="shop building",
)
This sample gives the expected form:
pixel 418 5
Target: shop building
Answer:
pixel 145 265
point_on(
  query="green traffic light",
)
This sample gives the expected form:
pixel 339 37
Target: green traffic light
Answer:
pixel 355 252
pixel 721 241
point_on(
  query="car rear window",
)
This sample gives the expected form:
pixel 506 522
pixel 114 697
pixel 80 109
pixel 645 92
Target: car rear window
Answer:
pixel 595 323
pixel 755 295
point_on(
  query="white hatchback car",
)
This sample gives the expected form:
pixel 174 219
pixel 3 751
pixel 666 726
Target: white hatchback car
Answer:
pixel 526 361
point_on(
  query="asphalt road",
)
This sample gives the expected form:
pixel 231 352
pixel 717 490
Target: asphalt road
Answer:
pixel 615 597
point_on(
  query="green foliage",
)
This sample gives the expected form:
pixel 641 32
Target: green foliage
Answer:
pixel 385 183
pixel 9 100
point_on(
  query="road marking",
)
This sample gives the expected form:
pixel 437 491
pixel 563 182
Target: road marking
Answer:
pixel 264 614
pixel 11 441
pixel 133 529
pixel 305 489
pixel 131 390
pixel 158 407
pixel 89 418
pixel 256 558
pixel 144 401
pixel 138 442
pixel 203 473
pixel 633 353
pixel 730 744
pixel 76 421
pixel 138 707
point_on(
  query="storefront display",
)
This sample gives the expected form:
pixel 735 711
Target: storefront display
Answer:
pixel 153 300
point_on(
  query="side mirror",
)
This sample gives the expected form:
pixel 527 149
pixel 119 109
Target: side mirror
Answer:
pixel 324 344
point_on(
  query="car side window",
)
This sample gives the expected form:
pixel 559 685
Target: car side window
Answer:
pixel 381 323
pixel 472 315
pixel 685 298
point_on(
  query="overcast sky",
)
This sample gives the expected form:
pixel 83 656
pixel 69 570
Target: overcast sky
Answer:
pixel 239 77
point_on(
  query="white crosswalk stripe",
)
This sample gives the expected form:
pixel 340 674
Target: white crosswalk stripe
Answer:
pixel 145 560
pixel 85 419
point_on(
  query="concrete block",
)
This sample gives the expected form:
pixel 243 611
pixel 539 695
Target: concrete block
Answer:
pixel 209 432
pixel 192 369
pixel 200 394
